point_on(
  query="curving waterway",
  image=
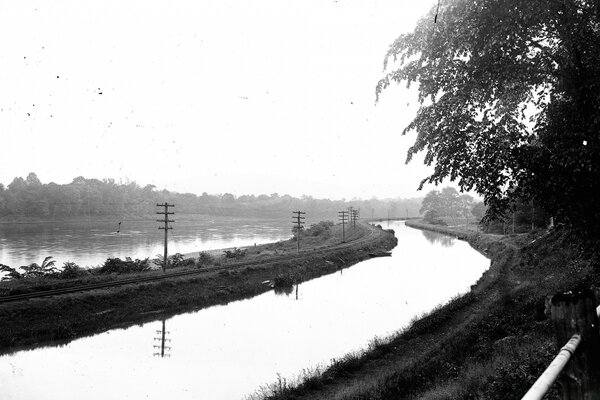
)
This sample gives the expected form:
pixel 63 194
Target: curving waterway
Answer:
pixel 229 352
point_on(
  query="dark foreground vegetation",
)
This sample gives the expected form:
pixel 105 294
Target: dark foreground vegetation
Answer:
pixel 62 318
pixel 491 343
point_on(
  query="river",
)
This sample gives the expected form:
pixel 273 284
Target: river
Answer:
pixel 229 352
pixel 88 242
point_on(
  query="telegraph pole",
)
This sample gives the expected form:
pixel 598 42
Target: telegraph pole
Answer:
pixel 166 221
pixel 343 216
pixel 354 217
pixel 298 220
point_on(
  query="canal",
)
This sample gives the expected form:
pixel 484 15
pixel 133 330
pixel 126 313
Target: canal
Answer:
pixel 230 351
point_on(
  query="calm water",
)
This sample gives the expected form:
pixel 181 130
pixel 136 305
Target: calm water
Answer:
pixel 90 242
pixel 228 352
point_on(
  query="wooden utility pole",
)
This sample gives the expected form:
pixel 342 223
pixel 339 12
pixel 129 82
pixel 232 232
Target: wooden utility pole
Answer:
pixel 343 217
pixel 166 221
pixel 574 313
pixel 298 220
pixel 354 217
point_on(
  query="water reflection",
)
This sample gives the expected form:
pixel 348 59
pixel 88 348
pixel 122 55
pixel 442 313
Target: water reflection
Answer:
pixel 286 290
pixel 438 238
pixel 283 290
pixel 162 339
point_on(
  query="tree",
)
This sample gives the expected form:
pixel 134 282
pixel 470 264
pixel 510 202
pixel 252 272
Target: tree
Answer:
pixel 478 211
pixel 450 202
pixel 509 92
pixel 432 201
pixel 33 180
pixel 465 202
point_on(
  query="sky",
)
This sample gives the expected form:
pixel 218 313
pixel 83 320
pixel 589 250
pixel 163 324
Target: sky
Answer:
pixel 238 96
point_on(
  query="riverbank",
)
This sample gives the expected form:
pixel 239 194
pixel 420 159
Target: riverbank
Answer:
pixel 63 318
pixel 492 343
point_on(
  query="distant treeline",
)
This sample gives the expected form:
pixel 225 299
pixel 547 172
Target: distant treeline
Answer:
pixel 92 197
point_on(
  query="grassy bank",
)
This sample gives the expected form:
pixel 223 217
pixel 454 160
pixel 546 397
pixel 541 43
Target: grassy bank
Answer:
pixel 62 318
pixel 491 343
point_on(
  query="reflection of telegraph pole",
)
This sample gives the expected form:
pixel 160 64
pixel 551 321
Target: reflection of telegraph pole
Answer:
pixel 299 222
pixel 163 333
pixel 166 221
pixel 343 216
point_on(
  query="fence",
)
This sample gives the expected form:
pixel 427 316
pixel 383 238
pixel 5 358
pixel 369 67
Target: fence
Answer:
pixel 575 319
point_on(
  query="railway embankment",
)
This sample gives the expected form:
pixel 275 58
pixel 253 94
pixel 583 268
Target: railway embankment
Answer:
pixel 62 317
pixel 492 342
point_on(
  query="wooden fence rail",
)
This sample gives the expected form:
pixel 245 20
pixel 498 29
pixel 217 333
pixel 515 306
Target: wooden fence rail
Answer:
pixel 575 319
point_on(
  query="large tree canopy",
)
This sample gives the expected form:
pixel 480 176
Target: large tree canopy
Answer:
pixel 509 95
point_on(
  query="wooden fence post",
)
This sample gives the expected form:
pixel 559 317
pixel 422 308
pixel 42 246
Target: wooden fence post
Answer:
pixel 575 312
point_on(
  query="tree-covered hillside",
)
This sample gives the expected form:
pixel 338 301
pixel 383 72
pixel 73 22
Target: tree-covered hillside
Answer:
pixel 90 197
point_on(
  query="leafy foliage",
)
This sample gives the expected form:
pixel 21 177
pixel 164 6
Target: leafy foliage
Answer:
pixel 71 270
pixel 11 273
pixel 118 266
pixel 36 271
pixel 235 253
pixel 447 203
pixel 509 93
pixel 322 228
pixel 205 259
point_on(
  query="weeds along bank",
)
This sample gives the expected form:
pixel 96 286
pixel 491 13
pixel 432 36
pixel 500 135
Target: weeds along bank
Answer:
pixel 491 343
pixel 65 317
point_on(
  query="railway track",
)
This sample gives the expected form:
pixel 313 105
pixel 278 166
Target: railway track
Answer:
pixel 373 232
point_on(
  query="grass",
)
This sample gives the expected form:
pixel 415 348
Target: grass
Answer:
pixel 491 343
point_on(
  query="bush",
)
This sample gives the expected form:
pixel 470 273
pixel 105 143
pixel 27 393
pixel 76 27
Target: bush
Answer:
pixel 71 270
pixel 174 261
pixel 205 259
pixel 323 228
pixel 235 253
pixel 118 266
pixel 432 217
pixel 188 262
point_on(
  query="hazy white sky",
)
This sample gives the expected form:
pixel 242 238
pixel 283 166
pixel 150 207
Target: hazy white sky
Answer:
pixel 217 96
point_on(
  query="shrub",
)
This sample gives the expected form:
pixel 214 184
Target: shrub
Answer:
pixel 205 259
pixel 187 262
pixel 235 253
pixel 432 217
pixel 37 271
pixel 71 270
pixel 323 228
pixel 11 273
pixel 175 260
pixel 116 265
